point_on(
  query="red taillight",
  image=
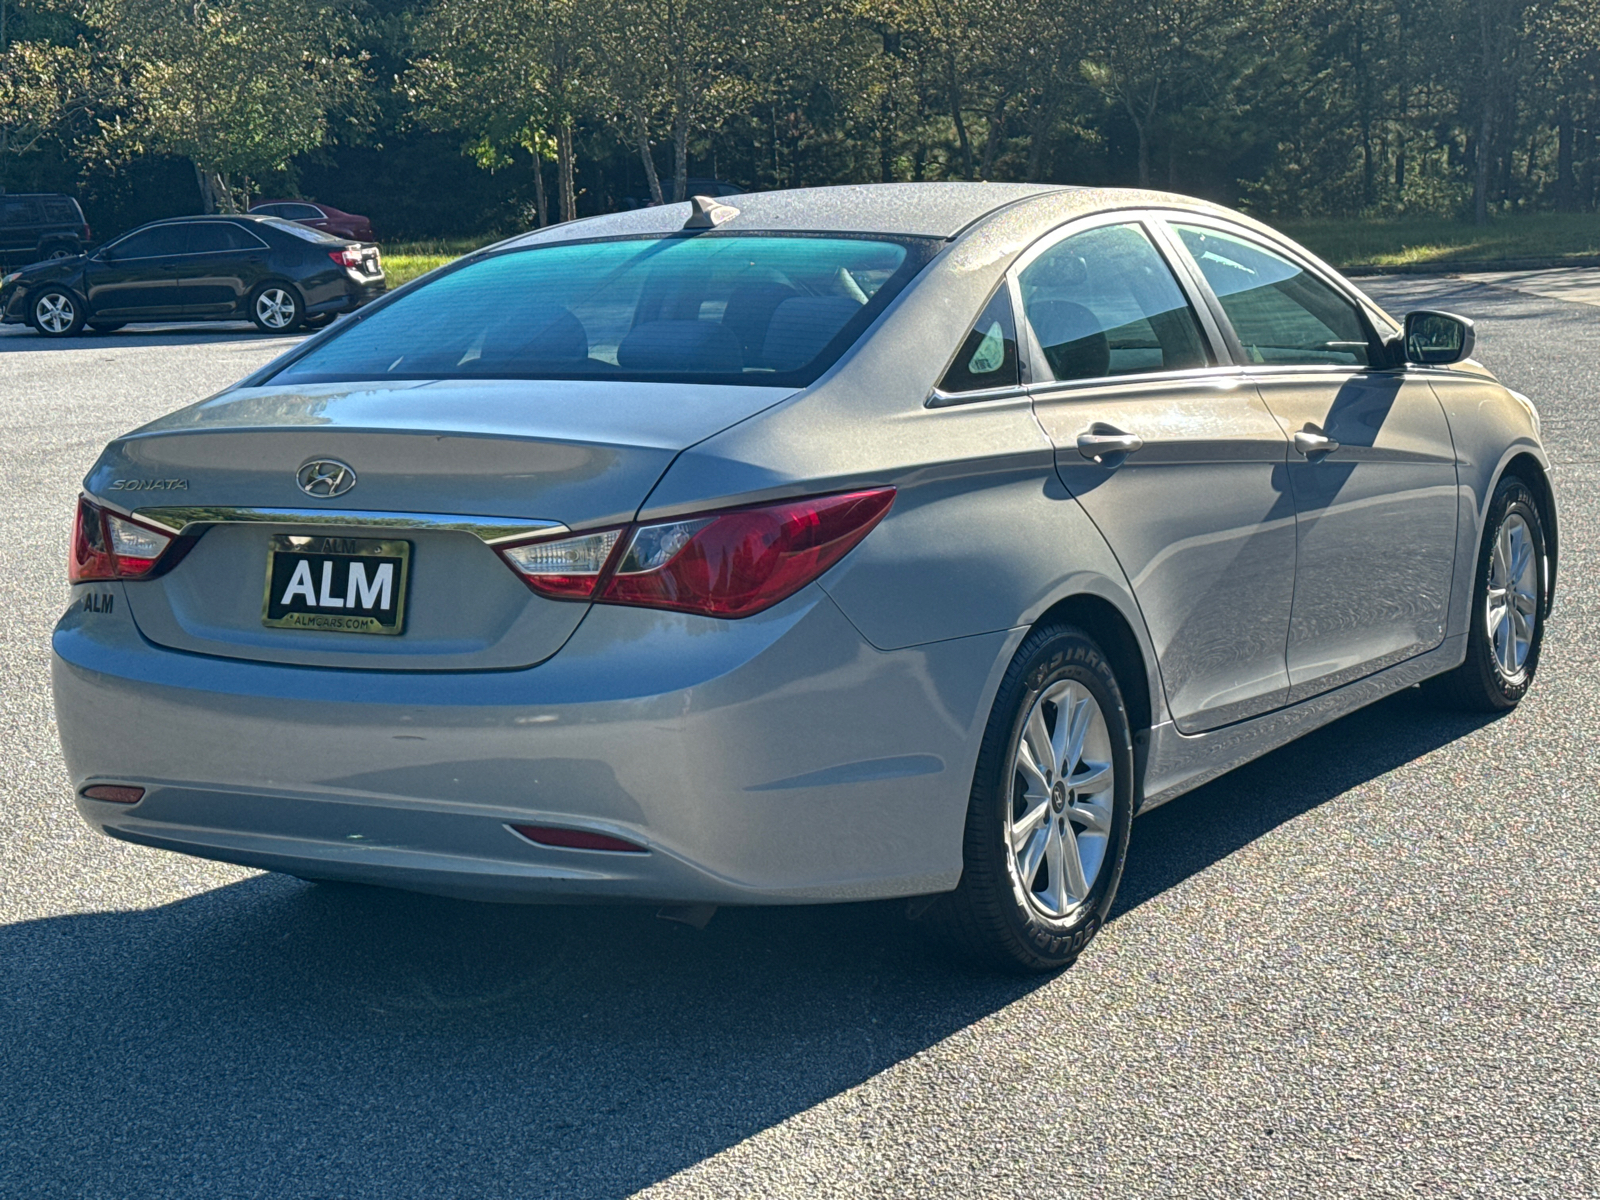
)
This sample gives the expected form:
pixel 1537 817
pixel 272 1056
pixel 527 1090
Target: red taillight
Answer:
pixel 577 839
pixel 736 563
pixel 346 258
pixel 732 563
pixel 114 793
pixel 107 546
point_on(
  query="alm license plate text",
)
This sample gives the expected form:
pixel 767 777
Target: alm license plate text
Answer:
pixel 336 584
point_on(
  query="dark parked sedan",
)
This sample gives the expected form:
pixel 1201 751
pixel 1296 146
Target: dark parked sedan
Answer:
pixel 270 271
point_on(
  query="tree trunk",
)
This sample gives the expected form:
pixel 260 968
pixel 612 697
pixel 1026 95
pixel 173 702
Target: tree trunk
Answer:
pixel 996 134
pixel 680 154
pixel 1144 152
pixel 540 203
pixel 1480 174
pixel 208 197
pixel 565 169
pixel 953 88
pixel 641 137
pixel 1564 156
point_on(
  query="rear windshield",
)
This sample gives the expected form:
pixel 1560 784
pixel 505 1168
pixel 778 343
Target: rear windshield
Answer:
pixel 712 308
pixel 301 231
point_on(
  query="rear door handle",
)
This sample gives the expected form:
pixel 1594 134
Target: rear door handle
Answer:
pixel 1101 445
pixel 1309 443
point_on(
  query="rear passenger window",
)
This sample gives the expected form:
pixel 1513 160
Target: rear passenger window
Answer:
pixel 18 212
pixel 61 212
pixel 1280 313
pixel 1104 303
pixel 988 357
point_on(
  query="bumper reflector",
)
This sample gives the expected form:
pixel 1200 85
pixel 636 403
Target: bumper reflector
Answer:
pixel 114 793
pixel 576 839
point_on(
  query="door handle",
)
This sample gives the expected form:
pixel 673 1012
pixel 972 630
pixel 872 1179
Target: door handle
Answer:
pixel 1101 444
pixel 1309 443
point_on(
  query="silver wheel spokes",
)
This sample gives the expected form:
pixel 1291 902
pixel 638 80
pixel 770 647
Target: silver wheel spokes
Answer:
pixel 55 313
pixel 1062 798
pixel 1513 610
pixel 275 307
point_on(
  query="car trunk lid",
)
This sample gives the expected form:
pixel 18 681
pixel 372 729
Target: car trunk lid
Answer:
pixel 449 470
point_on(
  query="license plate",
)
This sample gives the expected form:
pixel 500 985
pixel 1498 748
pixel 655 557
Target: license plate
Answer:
pixel 335 584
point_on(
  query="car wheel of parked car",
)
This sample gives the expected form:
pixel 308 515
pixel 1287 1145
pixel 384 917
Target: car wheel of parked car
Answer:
pixel 60 251
pixel 1051 808
pixel 56 313
pixel 106 326
pixel 276 308
pixel 1507 624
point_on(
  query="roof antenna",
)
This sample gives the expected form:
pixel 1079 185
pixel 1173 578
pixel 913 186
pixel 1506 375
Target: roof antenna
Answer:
pixel 708 214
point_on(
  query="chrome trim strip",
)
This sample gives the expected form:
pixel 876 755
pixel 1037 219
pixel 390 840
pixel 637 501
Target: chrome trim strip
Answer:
pixel 943 399
pixel 490 530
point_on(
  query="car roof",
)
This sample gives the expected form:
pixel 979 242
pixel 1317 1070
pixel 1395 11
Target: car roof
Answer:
pixel 938 210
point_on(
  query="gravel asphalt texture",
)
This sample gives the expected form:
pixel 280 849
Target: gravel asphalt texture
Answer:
pixel 1364 965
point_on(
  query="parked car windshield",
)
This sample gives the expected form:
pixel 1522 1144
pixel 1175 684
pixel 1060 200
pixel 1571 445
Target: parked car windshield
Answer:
pixel 711 308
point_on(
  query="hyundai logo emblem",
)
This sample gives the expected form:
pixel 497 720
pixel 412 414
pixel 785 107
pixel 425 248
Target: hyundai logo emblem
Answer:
pixel 325 477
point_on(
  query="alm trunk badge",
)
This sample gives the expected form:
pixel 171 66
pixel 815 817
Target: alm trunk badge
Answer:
pixel 324 477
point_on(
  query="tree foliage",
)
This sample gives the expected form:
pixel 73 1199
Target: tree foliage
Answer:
pixel 1292 107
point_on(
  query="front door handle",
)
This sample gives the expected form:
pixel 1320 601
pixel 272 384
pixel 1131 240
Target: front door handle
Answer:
pixel 1309 443
pixel 1103 444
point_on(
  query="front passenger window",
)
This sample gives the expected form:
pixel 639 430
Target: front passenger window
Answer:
pixel 1280 313
pixel 1104 302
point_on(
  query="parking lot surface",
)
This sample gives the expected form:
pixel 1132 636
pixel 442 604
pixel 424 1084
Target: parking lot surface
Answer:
pixel 1364 965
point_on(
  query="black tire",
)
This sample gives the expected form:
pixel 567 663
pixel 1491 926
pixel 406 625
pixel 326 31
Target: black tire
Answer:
pixel 1481 683
pixel 992 912
pixel 106 326
pixel 56 312
pixel 285 316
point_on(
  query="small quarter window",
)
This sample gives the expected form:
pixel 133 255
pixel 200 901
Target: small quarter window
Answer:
pixel 988 356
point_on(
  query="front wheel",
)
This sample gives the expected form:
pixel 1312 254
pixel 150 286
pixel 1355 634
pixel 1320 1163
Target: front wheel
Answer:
pixel 276 308
pixel 1508 601
pixel 55 312
pixel 1051 808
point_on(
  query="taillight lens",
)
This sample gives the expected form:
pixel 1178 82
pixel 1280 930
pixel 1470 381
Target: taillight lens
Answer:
pixel 106 546
pixel 346 258
pixel 722 564
pixel 567 569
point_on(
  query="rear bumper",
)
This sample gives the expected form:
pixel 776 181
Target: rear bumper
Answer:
pixel 351 298
pixel 779 759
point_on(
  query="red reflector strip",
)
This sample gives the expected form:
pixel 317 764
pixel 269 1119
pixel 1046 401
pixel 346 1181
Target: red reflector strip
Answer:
pixel 114 793
pixel 576 839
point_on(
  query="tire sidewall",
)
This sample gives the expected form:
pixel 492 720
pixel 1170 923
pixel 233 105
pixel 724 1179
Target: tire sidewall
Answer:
pixel 1511 497
pixel 293 293
pixel 78 315
pixel 1061 653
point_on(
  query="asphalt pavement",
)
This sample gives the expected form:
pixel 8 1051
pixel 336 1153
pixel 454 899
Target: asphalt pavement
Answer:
pixel 1361 966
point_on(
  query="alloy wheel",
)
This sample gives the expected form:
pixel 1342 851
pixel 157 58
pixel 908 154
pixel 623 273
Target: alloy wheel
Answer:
pixel 1062 800
pixel 275 308
pixel 55 313
pixel 1513 608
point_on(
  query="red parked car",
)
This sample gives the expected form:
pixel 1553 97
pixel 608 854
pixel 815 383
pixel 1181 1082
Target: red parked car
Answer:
pixel 318 216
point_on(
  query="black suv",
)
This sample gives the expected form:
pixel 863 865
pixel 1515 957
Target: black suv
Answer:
pixel 34 228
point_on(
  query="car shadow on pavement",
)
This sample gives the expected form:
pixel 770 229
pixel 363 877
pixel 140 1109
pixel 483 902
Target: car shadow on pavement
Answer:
pixel 17 340
pixel 275 1038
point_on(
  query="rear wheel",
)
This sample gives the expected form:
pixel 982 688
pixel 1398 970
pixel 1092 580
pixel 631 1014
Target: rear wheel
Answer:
pixel 276 308
pixel 1051 808
pixel 1507 627
pixel 56 312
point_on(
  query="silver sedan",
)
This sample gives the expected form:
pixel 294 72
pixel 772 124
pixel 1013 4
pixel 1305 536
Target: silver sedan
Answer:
pixel 864 542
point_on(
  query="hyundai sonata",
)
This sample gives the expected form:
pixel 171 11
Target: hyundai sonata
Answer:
pixel 863 542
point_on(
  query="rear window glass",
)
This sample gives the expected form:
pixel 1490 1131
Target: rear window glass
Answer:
pixel 62 211
pixel 707 308
pixel 304 232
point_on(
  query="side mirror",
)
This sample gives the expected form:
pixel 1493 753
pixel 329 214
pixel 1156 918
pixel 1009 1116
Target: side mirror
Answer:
pixel 104 254
pixel 1437 338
